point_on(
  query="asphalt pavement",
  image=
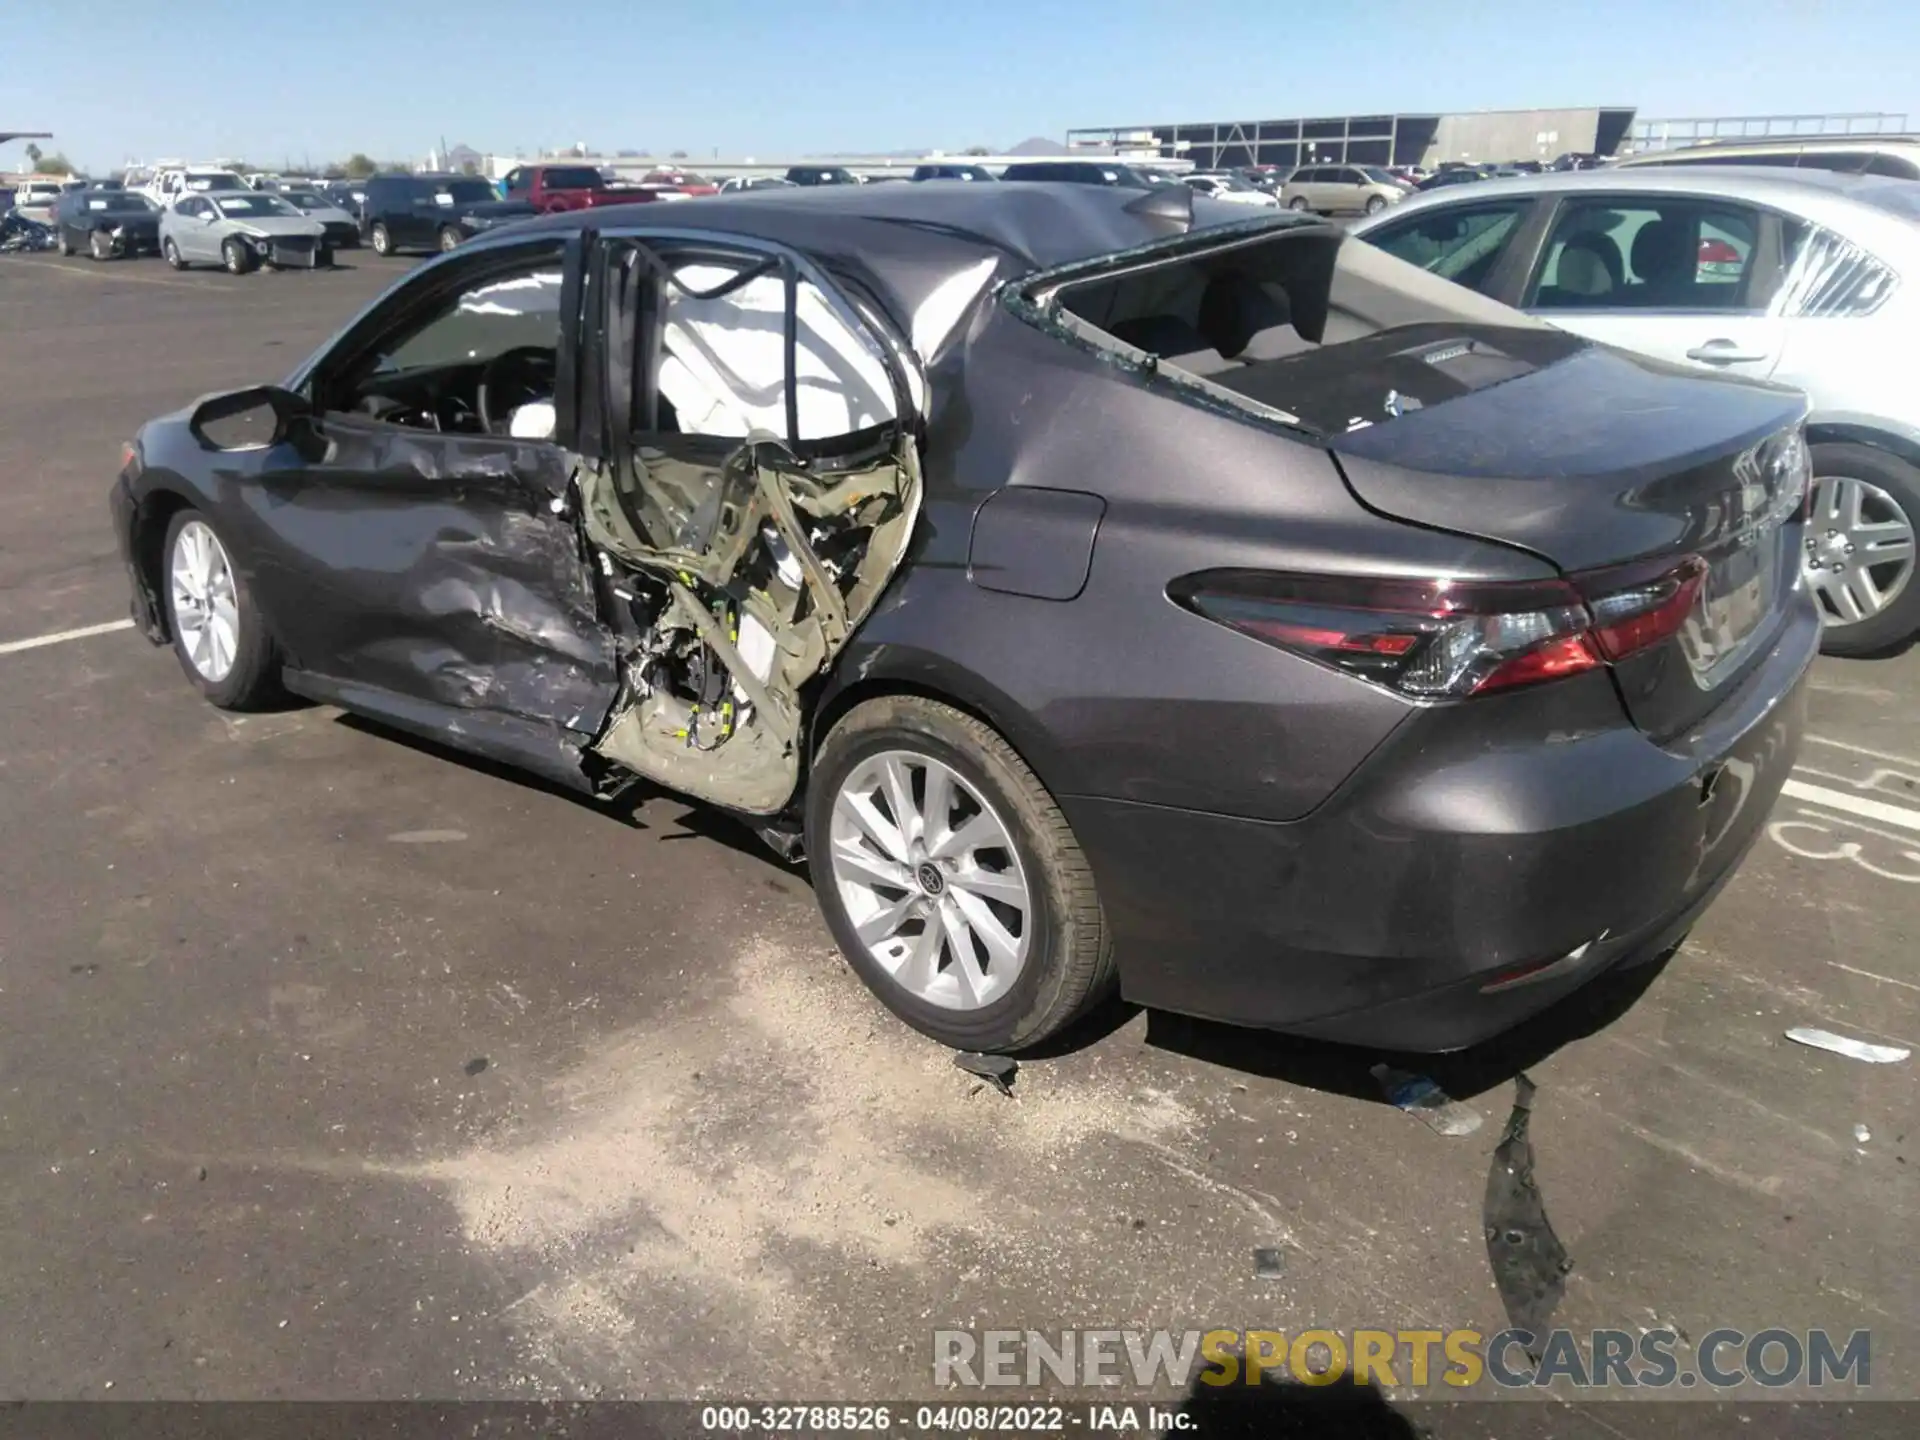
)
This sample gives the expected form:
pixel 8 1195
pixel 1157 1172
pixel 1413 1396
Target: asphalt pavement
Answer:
pixel 333 1065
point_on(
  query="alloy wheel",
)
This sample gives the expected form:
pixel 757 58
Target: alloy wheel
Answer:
pixel 1860 549
pixel 382 241
pixel 931 880
pixel 206 613
pixel 449 238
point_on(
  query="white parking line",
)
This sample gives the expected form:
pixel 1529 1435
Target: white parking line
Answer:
pixel 59 636
pixel 1853 804
pixel 1863 750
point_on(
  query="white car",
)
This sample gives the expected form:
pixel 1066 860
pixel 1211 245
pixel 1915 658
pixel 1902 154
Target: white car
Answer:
pixel 36 199
pixel 171 182
pixel 1234 189
pixel 1801 277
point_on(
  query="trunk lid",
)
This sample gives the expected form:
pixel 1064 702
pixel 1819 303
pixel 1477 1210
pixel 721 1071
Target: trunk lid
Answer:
pixel 1591 458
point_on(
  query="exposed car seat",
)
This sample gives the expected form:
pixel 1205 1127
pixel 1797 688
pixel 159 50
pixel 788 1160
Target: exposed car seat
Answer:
pixel 1173 340
pixel 1248 321
pixel 1590 267
pixel 1665 259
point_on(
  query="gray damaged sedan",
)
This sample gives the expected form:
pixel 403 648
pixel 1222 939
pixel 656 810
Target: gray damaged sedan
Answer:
pixel 242 230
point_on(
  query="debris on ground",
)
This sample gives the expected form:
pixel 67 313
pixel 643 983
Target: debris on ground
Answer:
pixel 1268 1263
pixel 1861 1134
pixel 1530 1264
pixel 1849 1047
pixel 997 1070
pixel 1421 1098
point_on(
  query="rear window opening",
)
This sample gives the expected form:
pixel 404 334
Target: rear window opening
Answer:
pixel 1313 329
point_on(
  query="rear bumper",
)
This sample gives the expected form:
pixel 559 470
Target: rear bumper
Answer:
pixel 1466 849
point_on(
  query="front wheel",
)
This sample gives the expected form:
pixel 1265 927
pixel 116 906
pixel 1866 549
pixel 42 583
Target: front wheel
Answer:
pixel 1375 204
pixel 172 253
pixel 449 238
pixel 218 635
pixel 1861 547
pixel 1298 204
pixel 61 242
pixel 235 255
pixel 100 245
pixel 382 240
pixel 951 879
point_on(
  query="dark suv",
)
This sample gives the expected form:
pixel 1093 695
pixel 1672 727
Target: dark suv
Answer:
pixel 821 175
pixel 952 172
pixel 1077 172
pixel 428 212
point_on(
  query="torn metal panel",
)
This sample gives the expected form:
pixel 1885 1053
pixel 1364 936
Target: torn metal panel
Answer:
pixel 753 575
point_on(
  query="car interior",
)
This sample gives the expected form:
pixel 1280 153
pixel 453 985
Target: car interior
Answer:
pixel 1252 318
pixel 1626 259
pixel 484 363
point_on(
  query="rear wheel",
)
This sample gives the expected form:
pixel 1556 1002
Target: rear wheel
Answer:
pixel 217 633
pixel 382 240
pixel 235 256
pixel 1861 547
pixel 1297 203
pixel 172 253
pixel 449 238
pixel 951 879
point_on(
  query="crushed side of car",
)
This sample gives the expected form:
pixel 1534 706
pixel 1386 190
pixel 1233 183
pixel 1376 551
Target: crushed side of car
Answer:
pixel 737 562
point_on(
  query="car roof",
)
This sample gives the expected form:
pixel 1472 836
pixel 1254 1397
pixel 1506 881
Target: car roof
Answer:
pixel 1823 196
pixel 1788 189
pixel 906 240
pixel 1778 145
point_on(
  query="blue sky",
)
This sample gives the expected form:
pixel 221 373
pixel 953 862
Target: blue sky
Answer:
pixel 119 79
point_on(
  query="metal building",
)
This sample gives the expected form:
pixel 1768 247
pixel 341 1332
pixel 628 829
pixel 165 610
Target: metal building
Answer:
pixel 1486 135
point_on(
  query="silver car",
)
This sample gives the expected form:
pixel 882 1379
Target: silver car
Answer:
pixel 240 229
pixel 1803 277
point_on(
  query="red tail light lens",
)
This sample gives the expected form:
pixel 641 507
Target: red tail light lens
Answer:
pixel 1446 640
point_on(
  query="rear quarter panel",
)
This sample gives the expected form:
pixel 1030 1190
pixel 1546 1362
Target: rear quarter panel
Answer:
pixel 1118 692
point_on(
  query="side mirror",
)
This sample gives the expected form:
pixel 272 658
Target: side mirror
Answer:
pixel 251 419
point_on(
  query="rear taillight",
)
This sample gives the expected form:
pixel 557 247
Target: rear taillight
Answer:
pixel 1443 639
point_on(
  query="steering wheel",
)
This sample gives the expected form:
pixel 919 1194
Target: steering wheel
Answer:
pixel 510 379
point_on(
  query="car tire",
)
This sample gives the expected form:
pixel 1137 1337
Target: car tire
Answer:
pixel 1065 961
pixel 170 252
pixel 235 256
pixel 449 238
pixel 1375 204
pixel 1298 204
pixel 382 240
pixel 100 245
pixel 1888 491
pixel 61 243
pixel 218 634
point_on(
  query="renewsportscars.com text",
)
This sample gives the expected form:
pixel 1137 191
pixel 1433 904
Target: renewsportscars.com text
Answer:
pixel 1723 1359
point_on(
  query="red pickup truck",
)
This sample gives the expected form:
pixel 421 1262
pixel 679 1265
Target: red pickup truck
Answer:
pixel 549 188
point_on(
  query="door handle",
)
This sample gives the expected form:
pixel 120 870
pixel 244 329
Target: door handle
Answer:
pixel 1725 352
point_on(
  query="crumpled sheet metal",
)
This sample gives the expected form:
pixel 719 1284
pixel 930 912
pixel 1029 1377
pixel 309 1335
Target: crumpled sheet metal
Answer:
pixel 1530 1264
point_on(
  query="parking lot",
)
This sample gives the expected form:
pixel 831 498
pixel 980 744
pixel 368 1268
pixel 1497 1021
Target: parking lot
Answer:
pixel 335 1065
